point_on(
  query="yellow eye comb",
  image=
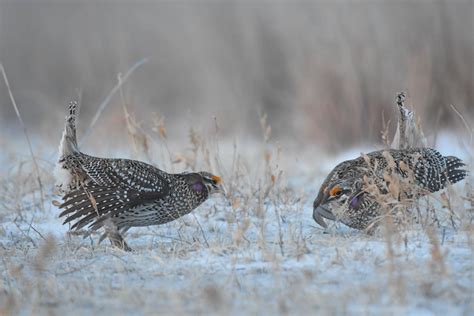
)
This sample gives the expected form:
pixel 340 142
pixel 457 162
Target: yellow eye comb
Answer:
pixel 335 191
pixel 217 179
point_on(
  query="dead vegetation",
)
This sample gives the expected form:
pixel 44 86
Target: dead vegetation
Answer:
pixel 254 250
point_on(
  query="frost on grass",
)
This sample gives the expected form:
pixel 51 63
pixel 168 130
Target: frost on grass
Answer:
pixel 256 250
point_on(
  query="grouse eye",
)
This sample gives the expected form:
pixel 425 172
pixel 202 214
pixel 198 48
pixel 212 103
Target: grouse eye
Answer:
pixel 197 187
pixel 336 192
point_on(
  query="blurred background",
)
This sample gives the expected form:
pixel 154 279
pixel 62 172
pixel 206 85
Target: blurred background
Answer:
pixel 324 72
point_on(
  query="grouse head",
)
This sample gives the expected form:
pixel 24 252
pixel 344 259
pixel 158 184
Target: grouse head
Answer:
pixel 336 198
pixel 204 183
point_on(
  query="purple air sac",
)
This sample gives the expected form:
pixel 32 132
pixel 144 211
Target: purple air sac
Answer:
pixel 198 187
pixel 355 202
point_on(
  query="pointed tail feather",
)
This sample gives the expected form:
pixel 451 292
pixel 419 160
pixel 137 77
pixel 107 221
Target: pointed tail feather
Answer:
pixel 68 143
pixel 454 169
pixel 63 177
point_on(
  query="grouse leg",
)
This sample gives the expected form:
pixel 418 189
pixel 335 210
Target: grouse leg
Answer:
pixel 115 237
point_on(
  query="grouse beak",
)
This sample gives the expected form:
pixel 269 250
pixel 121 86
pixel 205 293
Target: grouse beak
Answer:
pixel 321 212
pixel 318 218
pixel 221 189
pixel 217 185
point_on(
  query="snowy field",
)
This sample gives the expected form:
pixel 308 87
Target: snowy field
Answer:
pixel 268 95
pixel 255 251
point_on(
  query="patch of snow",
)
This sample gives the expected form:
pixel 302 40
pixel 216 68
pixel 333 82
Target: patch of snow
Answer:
pixel 226 260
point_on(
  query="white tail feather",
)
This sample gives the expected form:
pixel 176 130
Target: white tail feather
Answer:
pixel 67 146
pixel 409 134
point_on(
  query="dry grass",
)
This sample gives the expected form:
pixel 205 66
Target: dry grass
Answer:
pixel 254 251
pixel 307 65
pixel 323 72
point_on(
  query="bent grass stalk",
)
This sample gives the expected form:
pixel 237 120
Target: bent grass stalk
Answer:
pixel 25 131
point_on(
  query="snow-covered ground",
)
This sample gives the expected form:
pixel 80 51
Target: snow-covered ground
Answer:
pixel 258 251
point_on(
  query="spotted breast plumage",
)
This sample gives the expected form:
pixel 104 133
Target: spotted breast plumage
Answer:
pixel 118 194
pixel 353 191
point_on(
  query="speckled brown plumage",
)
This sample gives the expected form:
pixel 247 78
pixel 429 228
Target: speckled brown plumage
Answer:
pixel 348 195
pixel 120 193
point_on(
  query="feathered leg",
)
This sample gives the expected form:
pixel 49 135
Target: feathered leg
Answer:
pixel 112 232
